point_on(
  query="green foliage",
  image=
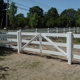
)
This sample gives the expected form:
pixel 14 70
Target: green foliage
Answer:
pixel 20 21
pixel 78 17
pixel 51 17
pixel 34 19
pixel 76 41
pixel 12 11
pixel 52 12
pixel 35 16
pixel 62 21
pixel 37 10
pixel 70 16
pixel 50 22
pixel 37 19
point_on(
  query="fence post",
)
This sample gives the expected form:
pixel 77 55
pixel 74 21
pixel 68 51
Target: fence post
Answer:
pixel 69 29
pixel 64 30
pixel 36 30
pixel 57 30
pixel 74 30
pixel 19 41
pixel 47 30
pixel 69 47
pixel 78 30
pixel 20 37
pixel 40 45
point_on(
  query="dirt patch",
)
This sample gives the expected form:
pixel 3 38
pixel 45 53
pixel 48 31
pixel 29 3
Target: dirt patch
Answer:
pixel 36 66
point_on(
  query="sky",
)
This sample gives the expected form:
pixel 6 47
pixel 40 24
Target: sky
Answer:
pixel 60 5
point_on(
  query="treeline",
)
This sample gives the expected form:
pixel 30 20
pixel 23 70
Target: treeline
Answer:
pixel 37 18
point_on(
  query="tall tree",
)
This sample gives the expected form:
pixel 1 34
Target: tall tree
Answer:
pixel 34 20
pixel 35 16
pixel 12 12
pixel 70 14
pixel 62 21
pixel 51 17
pixel 20 21
pixel 37 10
pixel 78 17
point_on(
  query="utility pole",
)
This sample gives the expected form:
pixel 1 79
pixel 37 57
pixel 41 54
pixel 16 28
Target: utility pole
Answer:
pixel 7 15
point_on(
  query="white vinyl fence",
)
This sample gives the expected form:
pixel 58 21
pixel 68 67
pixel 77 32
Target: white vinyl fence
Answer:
pixel 17 37
pixel 54 30
pixel 51 30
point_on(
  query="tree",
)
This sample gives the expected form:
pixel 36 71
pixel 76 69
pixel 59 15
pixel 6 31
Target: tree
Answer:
pixel 12 11
pixel 78 17
pixel 51 17
pixel 37 10
pixel 20 21
pixel 27 22
pixel 2 13
pixel 70 16
pixel 62 21
pixel 35 16
pixel 34 20
pixel 50 22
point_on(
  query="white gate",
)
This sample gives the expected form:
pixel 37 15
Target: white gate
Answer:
pixel 67 54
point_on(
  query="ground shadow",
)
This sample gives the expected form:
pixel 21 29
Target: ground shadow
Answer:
pixel 54 57
pixel 4 70
pixel 76 63
pixel 6 51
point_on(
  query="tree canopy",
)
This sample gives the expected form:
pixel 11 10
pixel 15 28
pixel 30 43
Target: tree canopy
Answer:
pixel 20 21
pixel 12 11
pixel 51 17
pixel 37 10
pixel 78 17
pixel 70 16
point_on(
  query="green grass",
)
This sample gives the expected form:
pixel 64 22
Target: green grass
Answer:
pixel 76 41
pixel 63 40
pixel 34 64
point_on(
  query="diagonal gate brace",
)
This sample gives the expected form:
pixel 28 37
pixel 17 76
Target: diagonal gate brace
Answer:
pixel 53 44
pixel 30 41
